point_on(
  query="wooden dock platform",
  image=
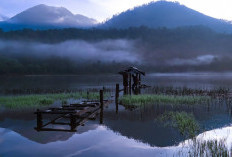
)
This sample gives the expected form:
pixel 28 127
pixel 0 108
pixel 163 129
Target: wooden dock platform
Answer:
pixel 75 114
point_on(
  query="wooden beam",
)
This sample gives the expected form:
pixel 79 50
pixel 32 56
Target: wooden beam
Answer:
pixel 130 84
pixel 39 119
pixel 101 106
pixel 116 97
pixel 52 129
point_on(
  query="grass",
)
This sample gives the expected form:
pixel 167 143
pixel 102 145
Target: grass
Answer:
pixel 213 148
pixel 39 100
pixel 185 122
pixel 189 91
pixel 137 100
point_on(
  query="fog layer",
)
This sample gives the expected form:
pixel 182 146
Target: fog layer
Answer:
pixel 76 50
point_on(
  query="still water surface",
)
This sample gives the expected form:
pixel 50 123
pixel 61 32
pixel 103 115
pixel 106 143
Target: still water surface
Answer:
pixel 128 133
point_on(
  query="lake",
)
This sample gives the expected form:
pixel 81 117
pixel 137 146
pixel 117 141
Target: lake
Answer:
pixel 126 133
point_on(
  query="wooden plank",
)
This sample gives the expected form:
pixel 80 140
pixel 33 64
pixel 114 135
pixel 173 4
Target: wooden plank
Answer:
pixel 94 101
pixel 52 121
pixel 90 109
pixel 52 129
pixel 75 107
pixel 93 116
pixel 82 121
pixel 85 105
pixel 65 109
pixel 56 112
pixel 61 123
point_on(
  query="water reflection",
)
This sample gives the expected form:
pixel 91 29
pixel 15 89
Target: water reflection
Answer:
pixel 98 142
pixel 139 124
pixel 24 122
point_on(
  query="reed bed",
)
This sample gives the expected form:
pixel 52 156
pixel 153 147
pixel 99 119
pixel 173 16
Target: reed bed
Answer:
pixel 183 121
pixel 213 148
pixel 38 100
pixel 138 100
pixel 17 91
pixel 189 91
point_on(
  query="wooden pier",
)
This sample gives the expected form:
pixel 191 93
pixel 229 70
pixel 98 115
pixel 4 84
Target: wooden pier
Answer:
pixel 74 115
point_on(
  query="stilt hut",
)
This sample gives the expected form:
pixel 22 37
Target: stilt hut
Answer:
pixel 131 74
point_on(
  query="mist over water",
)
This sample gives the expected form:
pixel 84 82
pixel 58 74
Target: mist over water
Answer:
pixel 106 56
pixel 119 50
pixel 77 50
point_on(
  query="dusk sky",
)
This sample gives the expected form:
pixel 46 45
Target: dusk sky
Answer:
pixel 103 9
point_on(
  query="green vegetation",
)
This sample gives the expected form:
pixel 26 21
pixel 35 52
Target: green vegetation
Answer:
pixel 212 148
pixel 39 100
pixel 185 122
pixel 137 100
pixel 181 91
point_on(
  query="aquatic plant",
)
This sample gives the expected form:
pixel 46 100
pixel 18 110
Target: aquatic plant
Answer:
pixel 185 122
pixel 20 91
pixel 189 91
pixel 213 148
pixel 46 101
pixel 37 100
pixel 137 100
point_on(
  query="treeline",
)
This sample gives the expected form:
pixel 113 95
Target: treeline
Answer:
pixel 145 33
pixel 30 65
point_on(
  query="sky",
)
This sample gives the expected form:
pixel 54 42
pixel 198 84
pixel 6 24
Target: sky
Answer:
pixel 105 9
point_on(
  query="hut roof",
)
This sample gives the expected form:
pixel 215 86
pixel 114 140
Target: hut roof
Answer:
pixel 132 70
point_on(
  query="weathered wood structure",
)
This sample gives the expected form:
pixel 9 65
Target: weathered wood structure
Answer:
pixel 129 74
pixel 74 115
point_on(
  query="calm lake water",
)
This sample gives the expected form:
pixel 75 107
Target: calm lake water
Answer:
pixel 129 133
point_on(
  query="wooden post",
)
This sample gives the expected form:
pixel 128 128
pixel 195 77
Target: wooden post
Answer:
pixel 116 97
pixel 125 90
pixel 101 106
pixel 130 83
pixel 87 95
pixel 139 80
pixel 39 120
pixel 125 83
pixel 73 123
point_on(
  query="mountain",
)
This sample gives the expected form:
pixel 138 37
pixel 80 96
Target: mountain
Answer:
pixel 165 14
pixel 43 16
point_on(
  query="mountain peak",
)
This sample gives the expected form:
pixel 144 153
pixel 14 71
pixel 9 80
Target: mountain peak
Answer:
pixel 49 15
pixel 165 14
pixel 41 13
pixel 51 9
pixel 163 2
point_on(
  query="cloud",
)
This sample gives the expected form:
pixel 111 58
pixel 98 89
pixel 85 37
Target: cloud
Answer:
pixel 199 60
